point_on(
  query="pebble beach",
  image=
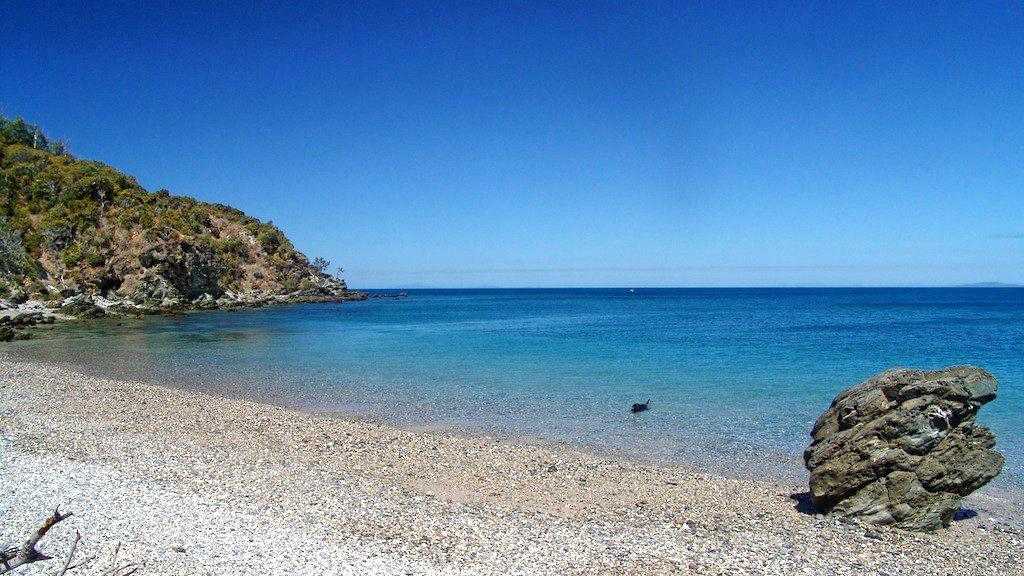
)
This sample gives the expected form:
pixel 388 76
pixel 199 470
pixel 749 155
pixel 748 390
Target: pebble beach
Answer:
pixel 190 483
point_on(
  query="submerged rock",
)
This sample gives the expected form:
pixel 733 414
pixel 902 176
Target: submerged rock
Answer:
pixel 902 448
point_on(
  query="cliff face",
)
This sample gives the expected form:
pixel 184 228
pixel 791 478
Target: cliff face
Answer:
pixel 70 226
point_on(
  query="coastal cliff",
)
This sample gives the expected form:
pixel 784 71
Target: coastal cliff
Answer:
pixel 85 239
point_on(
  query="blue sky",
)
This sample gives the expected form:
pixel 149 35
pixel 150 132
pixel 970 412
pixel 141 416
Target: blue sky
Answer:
pixel 561 144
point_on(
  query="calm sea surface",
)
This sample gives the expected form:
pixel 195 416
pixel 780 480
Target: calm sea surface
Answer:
pixel 735 376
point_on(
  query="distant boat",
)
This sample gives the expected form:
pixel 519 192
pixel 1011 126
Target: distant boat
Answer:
pixel 631 290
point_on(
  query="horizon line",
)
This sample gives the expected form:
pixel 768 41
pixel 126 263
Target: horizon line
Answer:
pixel 981 285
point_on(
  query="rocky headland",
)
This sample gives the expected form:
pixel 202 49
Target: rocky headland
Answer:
pixel 79 239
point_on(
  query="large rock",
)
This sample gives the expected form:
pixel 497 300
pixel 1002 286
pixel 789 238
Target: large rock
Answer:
pixel 205 302
pixel 81 306
pixel 8 333
pixel 18 296
pixel 22 318
pixel 902 448
pixel 183 271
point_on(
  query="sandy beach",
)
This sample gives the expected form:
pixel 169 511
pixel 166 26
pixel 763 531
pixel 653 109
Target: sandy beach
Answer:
pixel 196 484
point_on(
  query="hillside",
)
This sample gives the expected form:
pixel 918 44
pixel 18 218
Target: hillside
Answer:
pixel 80 230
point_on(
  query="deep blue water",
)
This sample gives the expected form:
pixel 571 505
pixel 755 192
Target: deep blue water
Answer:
pixel 736 376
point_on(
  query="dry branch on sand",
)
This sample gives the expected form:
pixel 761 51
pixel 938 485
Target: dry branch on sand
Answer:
pixel 28 553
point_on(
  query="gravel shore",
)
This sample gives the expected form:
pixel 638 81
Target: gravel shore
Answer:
pixel 197 484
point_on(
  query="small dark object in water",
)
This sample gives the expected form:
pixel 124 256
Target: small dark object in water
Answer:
pixel 640 407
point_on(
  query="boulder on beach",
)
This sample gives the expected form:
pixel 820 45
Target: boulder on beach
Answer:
pixel 903 449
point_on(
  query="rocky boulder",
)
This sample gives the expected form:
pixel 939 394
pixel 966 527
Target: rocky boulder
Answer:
pixel 18 296
pixel 182 271
pixel 23 318
pixel 81 306
pixel 8 333
pixel 205 302
pixel 128 308
pixel 902 448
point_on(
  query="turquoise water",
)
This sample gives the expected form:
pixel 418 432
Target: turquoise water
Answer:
pixel 736 376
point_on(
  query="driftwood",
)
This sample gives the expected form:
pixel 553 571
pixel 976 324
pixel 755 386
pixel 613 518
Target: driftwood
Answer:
pixel 12 558
pixel 28 553
pixel 116 569
pixel 68 566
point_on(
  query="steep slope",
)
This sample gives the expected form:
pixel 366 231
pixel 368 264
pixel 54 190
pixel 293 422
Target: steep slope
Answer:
pixel 71 227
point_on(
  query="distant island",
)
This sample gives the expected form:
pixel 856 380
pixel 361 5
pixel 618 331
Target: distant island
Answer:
pixel 84 239
pixel 989 285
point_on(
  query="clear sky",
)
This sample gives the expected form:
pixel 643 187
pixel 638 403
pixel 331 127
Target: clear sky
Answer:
pixel 561 144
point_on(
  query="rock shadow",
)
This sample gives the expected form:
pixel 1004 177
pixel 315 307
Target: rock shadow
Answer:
pixel 964 514
pixel 803 503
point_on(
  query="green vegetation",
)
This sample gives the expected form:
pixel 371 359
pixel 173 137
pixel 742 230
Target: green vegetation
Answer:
pixel 64 218
pixel 14 261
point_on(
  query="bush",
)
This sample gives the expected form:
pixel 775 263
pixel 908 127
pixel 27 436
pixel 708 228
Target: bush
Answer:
pixel 270 238
pixel 95 259
pixel 230 245
pixel 17 131
pixel 13 257
pixel 290 284
pixel 72 255
pixel 146 218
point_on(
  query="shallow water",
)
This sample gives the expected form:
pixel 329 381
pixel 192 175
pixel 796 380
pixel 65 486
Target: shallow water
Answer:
pixel 736 376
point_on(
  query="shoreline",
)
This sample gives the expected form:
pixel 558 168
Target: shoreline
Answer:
pixel 795 474
pixel 383 499
pixel 22 319
pixel 776 464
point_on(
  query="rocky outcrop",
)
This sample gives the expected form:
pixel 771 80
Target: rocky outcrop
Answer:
pixel 24 317
pixel 903 448
pixel 80 230
pixel 14 320
pixel 82 306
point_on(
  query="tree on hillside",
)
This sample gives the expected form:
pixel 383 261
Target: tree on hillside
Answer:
pixel 21 132
pixel 321 264
pixel 17 132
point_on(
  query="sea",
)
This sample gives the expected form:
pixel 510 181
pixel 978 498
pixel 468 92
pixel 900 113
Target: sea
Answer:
pixel 735 377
